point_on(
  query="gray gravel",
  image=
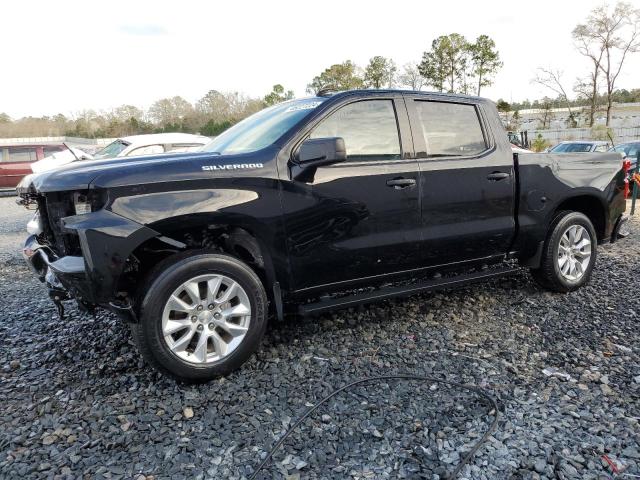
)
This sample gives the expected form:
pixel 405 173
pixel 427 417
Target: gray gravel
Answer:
pixel 77 401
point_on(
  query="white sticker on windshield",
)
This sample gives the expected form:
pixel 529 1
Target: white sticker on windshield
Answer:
pixel 304 106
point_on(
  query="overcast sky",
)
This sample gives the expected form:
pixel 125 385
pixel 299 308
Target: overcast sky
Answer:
pixel 64 56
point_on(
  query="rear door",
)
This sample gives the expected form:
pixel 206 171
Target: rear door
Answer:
pixel 359 218
pixel 467 181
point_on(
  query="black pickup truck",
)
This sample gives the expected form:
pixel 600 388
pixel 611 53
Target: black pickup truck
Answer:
pixel 311 205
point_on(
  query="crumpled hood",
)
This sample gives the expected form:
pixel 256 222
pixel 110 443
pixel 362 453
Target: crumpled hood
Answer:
pixel 118 171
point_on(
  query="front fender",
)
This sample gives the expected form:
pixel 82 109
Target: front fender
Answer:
pixel 106 239
pixel 254 207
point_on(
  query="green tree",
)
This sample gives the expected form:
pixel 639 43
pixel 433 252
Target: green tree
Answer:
pixel 278 95
pixel 213 128
pixel 539 144
pixel 485 61
pixel 503 106
pixel 341 76
pixel 446 64
pixel 380 72
pixel 4 118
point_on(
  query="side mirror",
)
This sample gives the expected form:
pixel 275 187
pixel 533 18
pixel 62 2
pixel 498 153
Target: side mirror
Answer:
pixel 322 151
pixel 317 152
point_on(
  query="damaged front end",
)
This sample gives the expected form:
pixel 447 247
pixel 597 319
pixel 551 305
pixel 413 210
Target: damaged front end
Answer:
pixel 50 269
pixel 78 249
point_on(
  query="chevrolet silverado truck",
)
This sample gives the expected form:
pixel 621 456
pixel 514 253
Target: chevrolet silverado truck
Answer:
pixel 311 205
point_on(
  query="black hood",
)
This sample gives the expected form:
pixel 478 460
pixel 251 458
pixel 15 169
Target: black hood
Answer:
pixel 118 171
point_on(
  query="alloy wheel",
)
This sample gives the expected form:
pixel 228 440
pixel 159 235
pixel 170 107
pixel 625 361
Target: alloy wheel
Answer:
pixel 206 318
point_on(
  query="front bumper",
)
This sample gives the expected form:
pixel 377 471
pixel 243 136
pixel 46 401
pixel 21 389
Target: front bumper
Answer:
pixel 65 277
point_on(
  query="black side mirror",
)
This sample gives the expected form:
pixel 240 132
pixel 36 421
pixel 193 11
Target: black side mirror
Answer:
pixel 317 152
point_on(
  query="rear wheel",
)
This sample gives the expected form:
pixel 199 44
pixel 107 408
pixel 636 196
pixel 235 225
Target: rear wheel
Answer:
pixel 569 253
pixel 202 317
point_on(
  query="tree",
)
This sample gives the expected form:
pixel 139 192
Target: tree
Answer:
pixel 5 118
pixel 170 112
pixel 503 106
pixel 127 112
pixel 447 63
pixel 278 95
pixel 410 77
pixel 341 76
pixel 545 113
pixel 485 61
pixel 588 87
pixel 381 71
pixel 213 128
pixel 552 79
pixel 539 144
pixel 609 37
pixel 515 121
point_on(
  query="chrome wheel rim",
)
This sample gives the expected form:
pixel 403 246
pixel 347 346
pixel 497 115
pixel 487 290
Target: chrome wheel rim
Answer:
pixel 206 318
pixel 574 252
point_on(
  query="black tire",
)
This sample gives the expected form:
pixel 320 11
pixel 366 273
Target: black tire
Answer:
pixel 548 275
pixel 163 280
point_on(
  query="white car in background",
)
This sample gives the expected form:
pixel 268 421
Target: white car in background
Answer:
pixel 581 146
pixel 135 145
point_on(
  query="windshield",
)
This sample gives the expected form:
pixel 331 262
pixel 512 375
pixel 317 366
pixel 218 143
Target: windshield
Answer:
pixel 629 149
pixel 111 150
pixel 571 147
pixel 263 128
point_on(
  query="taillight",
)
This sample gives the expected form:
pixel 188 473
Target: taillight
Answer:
pixel 626 168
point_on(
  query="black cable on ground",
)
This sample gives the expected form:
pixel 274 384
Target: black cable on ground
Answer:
pixel 471 388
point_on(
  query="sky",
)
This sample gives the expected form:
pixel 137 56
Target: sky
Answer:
pixel 66 56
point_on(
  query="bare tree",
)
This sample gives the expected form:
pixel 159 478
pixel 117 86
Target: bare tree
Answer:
pixel 615 35
pixel 588 87
pixel 410 77
pixel 545 113
pixel 552 79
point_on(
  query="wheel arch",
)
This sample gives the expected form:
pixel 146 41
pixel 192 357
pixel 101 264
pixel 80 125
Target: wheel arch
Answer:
pixel 243 238
pixel 589 205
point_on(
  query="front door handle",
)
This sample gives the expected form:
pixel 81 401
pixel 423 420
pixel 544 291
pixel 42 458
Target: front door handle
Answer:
pixel 495 176
pixel 399 183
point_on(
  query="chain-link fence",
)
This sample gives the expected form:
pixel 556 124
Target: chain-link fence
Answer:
pixel 620 134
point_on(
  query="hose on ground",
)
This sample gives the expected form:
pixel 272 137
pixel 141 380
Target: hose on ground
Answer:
pixel 471 388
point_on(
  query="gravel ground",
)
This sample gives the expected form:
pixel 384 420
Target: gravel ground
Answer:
pixel 76 401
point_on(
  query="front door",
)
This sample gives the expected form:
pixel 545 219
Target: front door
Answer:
pixel 359 218
pixel 467 181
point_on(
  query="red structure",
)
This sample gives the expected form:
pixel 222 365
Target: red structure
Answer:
pixel 15 160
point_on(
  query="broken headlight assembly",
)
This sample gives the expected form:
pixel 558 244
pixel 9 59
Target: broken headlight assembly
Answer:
pixel 88 201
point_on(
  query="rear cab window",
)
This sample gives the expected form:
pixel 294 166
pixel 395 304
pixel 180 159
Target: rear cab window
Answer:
pixel 450 129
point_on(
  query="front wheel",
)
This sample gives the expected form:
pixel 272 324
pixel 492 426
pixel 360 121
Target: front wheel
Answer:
pixel 202 317
pixel 569 253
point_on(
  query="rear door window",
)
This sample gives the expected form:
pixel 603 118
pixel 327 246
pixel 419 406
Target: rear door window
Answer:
pixel 450 129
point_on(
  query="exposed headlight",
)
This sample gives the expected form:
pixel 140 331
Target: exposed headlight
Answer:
pixel 81 203
pixel 34 227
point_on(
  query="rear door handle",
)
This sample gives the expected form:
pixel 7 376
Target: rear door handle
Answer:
pixel 495 176
pixel 399 183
